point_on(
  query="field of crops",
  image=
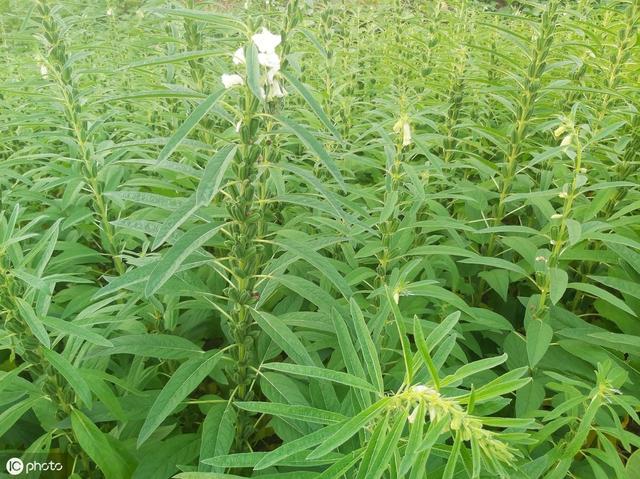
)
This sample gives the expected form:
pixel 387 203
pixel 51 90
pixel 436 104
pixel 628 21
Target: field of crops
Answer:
pixel 320 238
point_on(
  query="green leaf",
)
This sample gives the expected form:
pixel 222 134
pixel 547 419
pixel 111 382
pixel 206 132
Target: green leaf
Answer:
pixel 88 334
pixel 253 71
pixel 174 221
pixel 498 279
pixel 292 411
pixel 442 330
pixel 313 104
pixel 222 22
pixel 539 335
pixel 496 263
pixel 603 295
pixel 95 443
pixel 349 428
pixel 314 145
pixel 297 445
pixel 452 461
pixel 367 348
pixel 416 430
pixel 423 349
pixel 161 346
pixel 181 383
pixel 283 337
pixel 320 373
pixel 174 257
pixel 402 334
pixel 71 374
pixel 473 368
pixel 558 285
pixel 339 468
pixel 10 415
pixel 214 174
pixel 345 344
pixel 321 263
pixel 622 285
pixel 380 461
pixel 218 435
pixel 35 325
pixel 190 123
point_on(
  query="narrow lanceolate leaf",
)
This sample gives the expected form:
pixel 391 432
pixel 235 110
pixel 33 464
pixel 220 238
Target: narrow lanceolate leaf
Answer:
pixel 313 103
pixel 98 447
pixel 292 411
pixel 404 340
pixel 174 221
pixel 416 430
pixel 348 351
pixel 297 445
pixel 218 431
pixel 161 346
pixel 223 22
pixel 602 294
pixel 71 374
pixel 321 263
pixel 69 328
pixel 253 72
pixel 453 457
pixel 367 348
pixel 349 428
pixel 321 373
pixel 179 251
pixel 442 330
pixel 380 461
pixel 190 123
pixel 186 378
pixel 473 368
pixel 314 145
pixel 283 337
pixel 423 349
pixel 213 174
pixel 28 315
pixel 10 415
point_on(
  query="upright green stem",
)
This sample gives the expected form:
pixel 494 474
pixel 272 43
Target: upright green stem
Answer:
pixel 63 75
pixel 524 112
pixel 559 241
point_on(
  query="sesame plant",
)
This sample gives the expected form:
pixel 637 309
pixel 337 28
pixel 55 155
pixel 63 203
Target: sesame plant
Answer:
pixel 320 238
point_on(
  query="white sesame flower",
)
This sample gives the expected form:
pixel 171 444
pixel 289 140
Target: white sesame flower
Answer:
pixel 277 90
pixel 238 125
pixel 230 81
pixel 566 140
pixel 403 127
pixel 559 131
pixel 412 417
pixel 541 259
pixel 238 56
pixel 563 194
pixel 266 42
pixel 406 134
pixel 421 388
pixel 556 216
pixel 109 12
pixel 140 13
pixel 269 60
pixel 583 170
pixel 44 71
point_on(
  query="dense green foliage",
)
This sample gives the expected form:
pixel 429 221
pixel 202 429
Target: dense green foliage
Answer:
pixel 404 244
